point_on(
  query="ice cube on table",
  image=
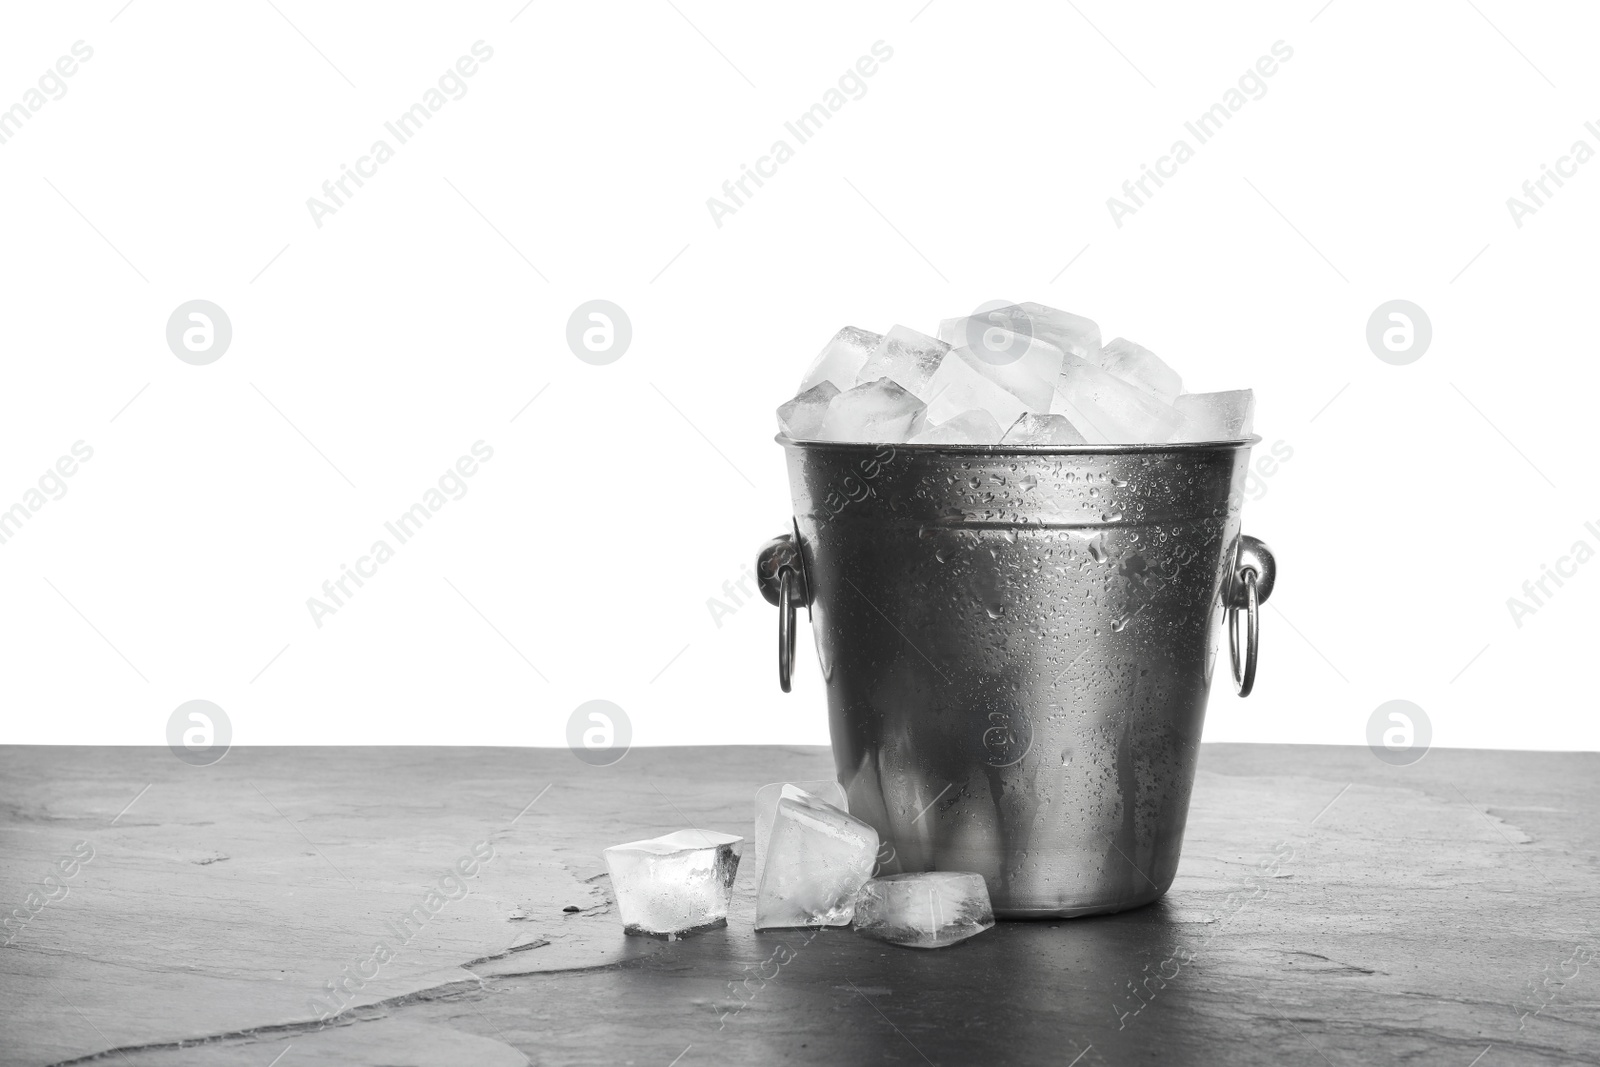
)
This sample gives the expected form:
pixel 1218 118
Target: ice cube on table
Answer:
pixel 1034 429
pixel 1139 366
pixel 1225 416
pixel 975 427
pixel 801 418
pixel 929 909
pixel 676 884
pixel 817 859
pixel 877 411
pixel 961 385
pixel 767 797
pixel 841 358
pixel 1106 409
pixel 906 357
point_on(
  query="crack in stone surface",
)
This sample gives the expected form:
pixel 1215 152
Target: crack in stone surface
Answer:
pixel 377 1010
pixel 541 943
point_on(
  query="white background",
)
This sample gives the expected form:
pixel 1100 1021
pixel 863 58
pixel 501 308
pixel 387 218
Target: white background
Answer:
pixel 424 315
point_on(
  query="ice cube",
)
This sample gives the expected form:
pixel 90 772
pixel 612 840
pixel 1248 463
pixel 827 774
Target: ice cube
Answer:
pixel 1104 408
pixel 767 798
pixel 975 427
pixel 817 859
pixel 929 909
pixel 1032 429
pixel 1139 366
pixel 1072 334
pixel 1225 416
pixel 841 359
pixel 960 385
pixel 1034 390
pixel 995 344
pixel 876 411
pixel 676 884
pixel 904 356
pixel 801 418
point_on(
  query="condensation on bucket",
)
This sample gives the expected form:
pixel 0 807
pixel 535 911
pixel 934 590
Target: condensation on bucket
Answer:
pixel 1017 647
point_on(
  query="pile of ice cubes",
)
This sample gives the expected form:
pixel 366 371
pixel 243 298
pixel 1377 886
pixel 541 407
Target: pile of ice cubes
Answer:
pixel 1024 374
pixel 816 865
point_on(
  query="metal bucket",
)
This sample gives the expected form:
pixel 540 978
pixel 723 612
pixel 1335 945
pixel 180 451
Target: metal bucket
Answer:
pixel 1017 644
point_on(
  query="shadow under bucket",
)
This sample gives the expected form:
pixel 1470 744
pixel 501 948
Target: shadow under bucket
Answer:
pixel 1017 644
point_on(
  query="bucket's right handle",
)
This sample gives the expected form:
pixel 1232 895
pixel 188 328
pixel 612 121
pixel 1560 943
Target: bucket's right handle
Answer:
pixel 1250 583
pixel 781 575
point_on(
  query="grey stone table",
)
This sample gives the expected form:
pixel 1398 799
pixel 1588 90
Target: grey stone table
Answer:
pixel 407 906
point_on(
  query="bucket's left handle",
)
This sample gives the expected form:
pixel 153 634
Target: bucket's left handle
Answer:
pixel 1250 584
pixel 781 574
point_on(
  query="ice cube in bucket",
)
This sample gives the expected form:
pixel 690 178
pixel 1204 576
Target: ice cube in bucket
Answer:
pixel 1225 416
pixel 1032 429
pixel 877 411
pixel 961 384
pixel 840 360
pixel 976 427
pixel 801 418
pixel 1139 366
pixel 904 356
pixel 1109 410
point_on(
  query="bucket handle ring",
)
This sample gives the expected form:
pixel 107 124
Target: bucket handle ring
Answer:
pixel 1251 584
pixel 781 575
pixel 788 582
pixel 1247 680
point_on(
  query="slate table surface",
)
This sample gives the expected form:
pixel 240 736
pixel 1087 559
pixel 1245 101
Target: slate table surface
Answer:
pixel 1329 909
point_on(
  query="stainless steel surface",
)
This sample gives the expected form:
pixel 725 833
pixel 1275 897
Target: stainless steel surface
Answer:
pixel 1254 555
pixel 1017 646
pixel 776 556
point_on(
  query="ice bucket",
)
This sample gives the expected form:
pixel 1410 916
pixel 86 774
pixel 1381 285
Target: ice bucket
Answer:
pixel 1017 644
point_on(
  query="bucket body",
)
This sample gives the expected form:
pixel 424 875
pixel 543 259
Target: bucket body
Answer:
pixel 1017 645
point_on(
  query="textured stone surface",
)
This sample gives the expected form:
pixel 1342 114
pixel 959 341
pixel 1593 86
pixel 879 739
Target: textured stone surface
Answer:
pixel 1327 907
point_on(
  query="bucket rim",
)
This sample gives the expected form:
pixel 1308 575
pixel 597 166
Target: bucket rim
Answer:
pixel 935 448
